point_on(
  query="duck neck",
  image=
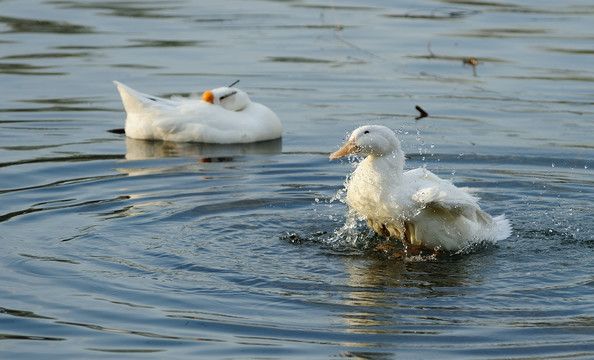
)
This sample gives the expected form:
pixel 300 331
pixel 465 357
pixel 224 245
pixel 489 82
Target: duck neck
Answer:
pixel 391 165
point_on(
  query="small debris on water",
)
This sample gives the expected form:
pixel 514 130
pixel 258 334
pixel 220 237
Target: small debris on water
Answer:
pixel 422 113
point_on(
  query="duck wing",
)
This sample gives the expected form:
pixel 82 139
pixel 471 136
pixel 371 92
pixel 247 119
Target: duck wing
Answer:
pixel 204 123
pixel 456 203
pixel 442 195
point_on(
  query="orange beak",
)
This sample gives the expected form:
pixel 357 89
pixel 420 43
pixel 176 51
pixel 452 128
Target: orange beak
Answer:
pixel 348 149
pixel 208 97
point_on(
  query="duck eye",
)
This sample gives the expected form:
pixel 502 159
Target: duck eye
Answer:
pixel 227 95
pixel 366 132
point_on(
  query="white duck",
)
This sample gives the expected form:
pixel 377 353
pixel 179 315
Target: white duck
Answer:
pixel 224 115
pixel 416 206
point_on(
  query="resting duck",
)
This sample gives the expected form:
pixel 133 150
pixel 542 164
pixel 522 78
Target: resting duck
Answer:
pixel 416 207
pixel 224 115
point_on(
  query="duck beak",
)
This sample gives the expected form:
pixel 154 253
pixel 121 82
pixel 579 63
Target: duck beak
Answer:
pixel 348 149
pixel 208 97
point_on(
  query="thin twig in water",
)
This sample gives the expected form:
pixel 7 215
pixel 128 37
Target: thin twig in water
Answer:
pixel 472 62
pixel 431 54
pixel 338 26
pixel 342 39
pixel 465 60
pixel 422 112
pixel 236 81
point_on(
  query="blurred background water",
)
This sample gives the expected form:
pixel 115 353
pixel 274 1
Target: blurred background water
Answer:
pixel 118 247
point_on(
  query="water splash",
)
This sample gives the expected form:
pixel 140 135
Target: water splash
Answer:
pixel 355 237
pixel 350 234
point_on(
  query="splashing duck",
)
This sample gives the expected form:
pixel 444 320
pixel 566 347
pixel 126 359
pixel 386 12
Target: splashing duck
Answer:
pixel 416 206
pixel 224 115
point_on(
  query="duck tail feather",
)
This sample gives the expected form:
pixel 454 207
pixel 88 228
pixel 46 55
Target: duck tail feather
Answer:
pixel 135 101
pixel 503 226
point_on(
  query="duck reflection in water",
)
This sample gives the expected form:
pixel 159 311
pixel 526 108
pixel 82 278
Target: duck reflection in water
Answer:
pixel 156 149
pixel 384 292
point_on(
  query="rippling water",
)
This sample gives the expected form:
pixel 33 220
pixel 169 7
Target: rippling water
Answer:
pixel 118 247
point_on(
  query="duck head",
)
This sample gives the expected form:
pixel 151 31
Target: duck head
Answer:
pixel 373 140
pixel 232 99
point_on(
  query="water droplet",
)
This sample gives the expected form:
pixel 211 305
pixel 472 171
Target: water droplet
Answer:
pixel 553 165
pixel 432 146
